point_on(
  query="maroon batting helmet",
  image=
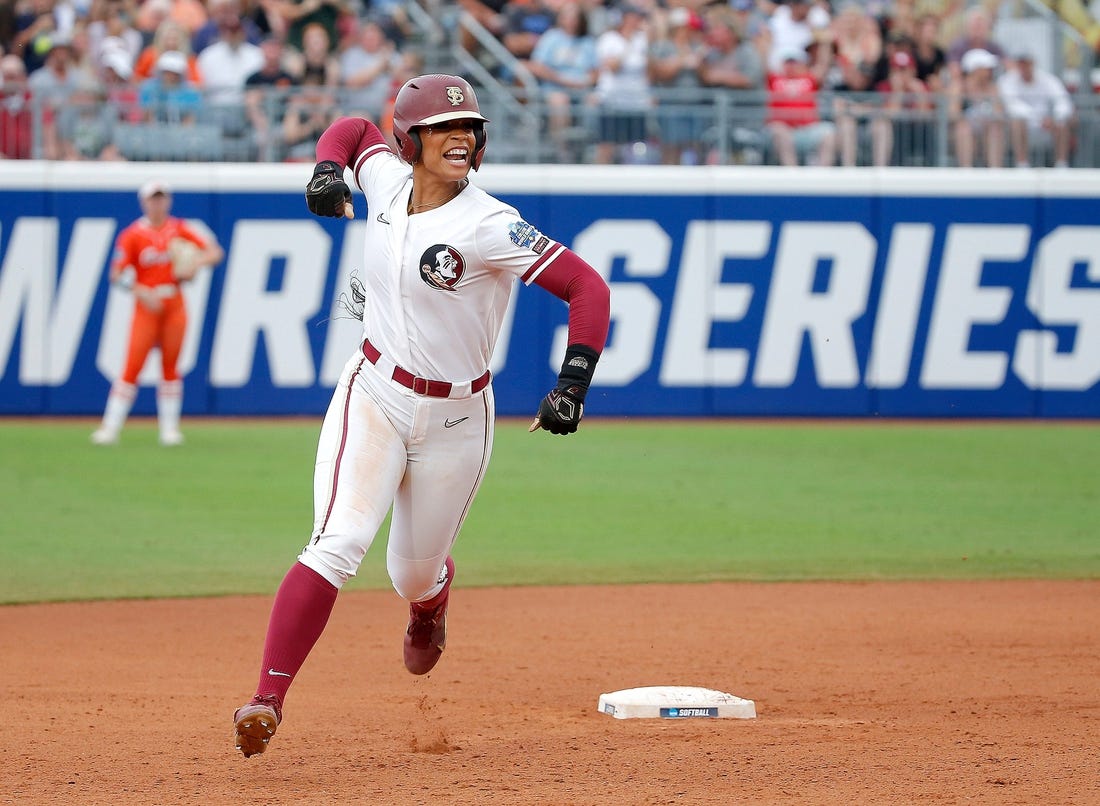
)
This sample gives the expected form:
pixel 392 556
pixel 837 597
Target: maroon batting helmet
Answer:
pixel 432 99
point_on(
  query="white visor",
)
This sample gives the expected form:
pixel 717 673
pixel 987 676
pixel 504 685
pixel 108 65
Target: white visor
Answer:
pixel 463 114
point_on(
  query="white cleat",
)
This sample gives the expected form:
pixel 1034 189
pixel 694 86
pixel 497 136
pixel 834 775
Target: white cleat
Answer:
pixel 103 436
pixel 171 438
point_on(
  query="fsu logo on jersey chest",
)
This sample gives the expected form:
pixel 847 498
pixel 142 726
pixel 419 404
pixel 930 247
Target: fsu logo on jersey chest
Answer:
pixel 442 266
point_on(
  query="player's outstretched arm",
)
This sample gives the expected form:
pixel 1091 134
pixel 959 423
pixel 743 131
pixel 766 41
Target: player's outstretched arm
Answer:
pixel 589 299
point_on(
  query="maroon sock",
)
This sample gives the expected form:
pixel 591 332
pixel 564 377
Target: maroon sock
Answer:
pixel 298 617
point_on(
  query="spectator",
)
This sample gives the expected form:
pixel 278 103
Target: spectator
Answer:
pixel 622 85
pixel 316 60
pixel 150 15
pixel 7 28
pixel 17 115
pixel 228 62
pixel 676 58
pixel 731 61
pixel 121 94
pixel 169 97
pixel 365 69
pixel 410 64
pixel 977 110
pixel 265 14
pixel 112 47
pixel 734 62
pixel 793 121
pixel 272 72
pixel 170 35
pixel 858 48
pixel 488 14
pixel 564 62
pixel 309 112
pixel 85 125
pixel 978 26
pixel 110 27
pixel 1039 111
pixel 904 129
pixel 35 29
pixel 792 27
pixel 899 17
pixel 190 14
pixel 393 19
pixel 225 15
pixel 524 22
pixel 929 56
pixel 266 93
pixel 751 24
pixel 55 80
pixel 299 14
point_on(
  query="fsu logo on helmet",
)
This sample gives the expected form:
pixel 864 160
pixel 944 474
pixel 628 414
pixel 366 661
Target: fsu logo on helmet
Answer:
pixel 442 266
pixel 455 96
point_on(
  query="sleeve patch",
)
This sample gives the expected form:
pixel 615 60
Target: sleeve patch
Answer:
pixel 526 236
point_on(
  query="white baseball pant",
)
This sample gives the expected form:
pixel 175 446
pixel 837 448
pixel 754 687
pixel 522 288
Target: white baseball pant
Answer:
pixel 382 444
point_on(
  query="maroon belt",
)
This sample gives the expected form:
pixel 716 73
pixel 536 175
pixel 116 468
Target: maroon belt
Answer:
pixel 422 386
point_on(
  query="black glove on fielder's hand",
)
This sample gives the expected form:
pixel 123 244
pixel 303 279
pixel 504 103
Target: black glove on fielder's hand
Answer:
pixel 561 410
pixel 327 191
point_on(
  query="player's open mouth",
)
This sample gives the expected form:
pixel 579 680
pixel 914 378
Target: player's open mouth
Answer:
pixel 459 156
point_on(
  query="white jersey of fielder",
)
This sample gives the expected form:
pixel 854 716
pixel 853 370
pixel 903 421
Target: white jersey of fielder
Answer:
pixel 438 282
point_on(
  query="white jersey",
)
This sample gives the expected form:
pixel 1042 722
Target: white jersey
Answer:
pixel 438 283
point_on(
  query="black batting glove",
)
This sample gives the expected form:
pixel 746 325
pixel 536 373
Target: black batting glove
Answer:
pixel 327 191
pixel 560 412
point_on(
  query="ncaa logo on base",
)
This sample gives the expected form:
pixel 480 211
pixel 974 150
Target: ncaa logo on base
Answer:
pixel 683 713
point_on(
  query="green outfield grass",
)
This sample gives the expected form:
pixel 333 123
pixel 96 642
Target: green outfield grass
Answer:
pixel 622 501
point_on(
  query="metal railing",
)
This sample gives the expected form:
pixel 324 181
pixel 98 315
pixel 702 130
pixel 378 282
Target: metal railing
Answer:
pixel 709 127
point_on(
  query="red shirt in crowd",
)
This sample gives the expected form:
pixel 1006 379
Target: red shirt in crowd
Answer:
pixel 792 99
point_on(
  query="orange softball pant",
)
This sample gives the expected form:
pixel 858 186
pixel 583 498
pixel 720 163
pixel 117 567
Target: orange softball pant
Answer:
pixel 149 329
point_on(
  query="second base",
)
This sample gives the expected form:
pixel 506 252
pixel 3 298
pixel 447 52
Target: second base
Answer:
pixel 675 702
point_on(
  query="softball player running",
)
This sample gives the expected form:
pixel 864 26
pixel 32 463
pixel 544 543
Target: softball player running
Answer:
pixel 410 424
pixel 160 317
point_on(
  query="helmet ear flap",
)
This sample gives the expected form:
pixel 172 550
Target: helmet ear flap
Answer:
pixel 479 145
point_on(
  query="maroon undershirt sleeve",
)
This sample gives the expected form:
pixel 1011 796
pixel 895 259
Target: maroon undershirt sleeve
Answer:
pixel 571 279
pixel 346 139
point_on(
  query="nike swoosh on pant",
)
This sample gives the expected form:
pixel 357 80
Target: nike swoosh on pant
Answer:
pixel 453 423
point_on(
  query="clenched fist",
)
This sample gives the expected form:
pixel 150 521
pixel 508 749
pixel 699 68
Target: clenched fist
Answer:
pixel 327 194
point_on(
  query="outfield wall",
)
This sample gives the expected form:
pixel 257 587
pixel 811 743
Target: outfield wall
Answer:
pixel 735 291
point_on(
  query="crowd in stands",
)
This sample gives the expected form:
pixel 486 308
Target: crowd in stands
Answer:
pixel 824 83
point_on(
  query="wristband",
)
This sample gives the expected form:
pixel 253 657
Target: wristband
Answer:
pixel 576 370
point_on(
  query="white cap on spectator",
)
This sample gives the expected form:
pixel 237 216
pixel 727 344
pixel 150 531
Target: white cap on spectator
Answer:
pixel 977 59
pixel 120 63
pixel 152 188
pixel 172 61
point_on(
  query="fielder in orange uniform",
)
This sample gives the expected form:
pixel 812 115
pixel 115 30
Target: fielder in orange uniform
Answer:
pixel 147 254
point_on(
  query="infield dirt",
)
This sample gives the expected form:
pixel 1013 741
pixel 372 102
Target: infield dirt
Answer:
pixel 960 692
